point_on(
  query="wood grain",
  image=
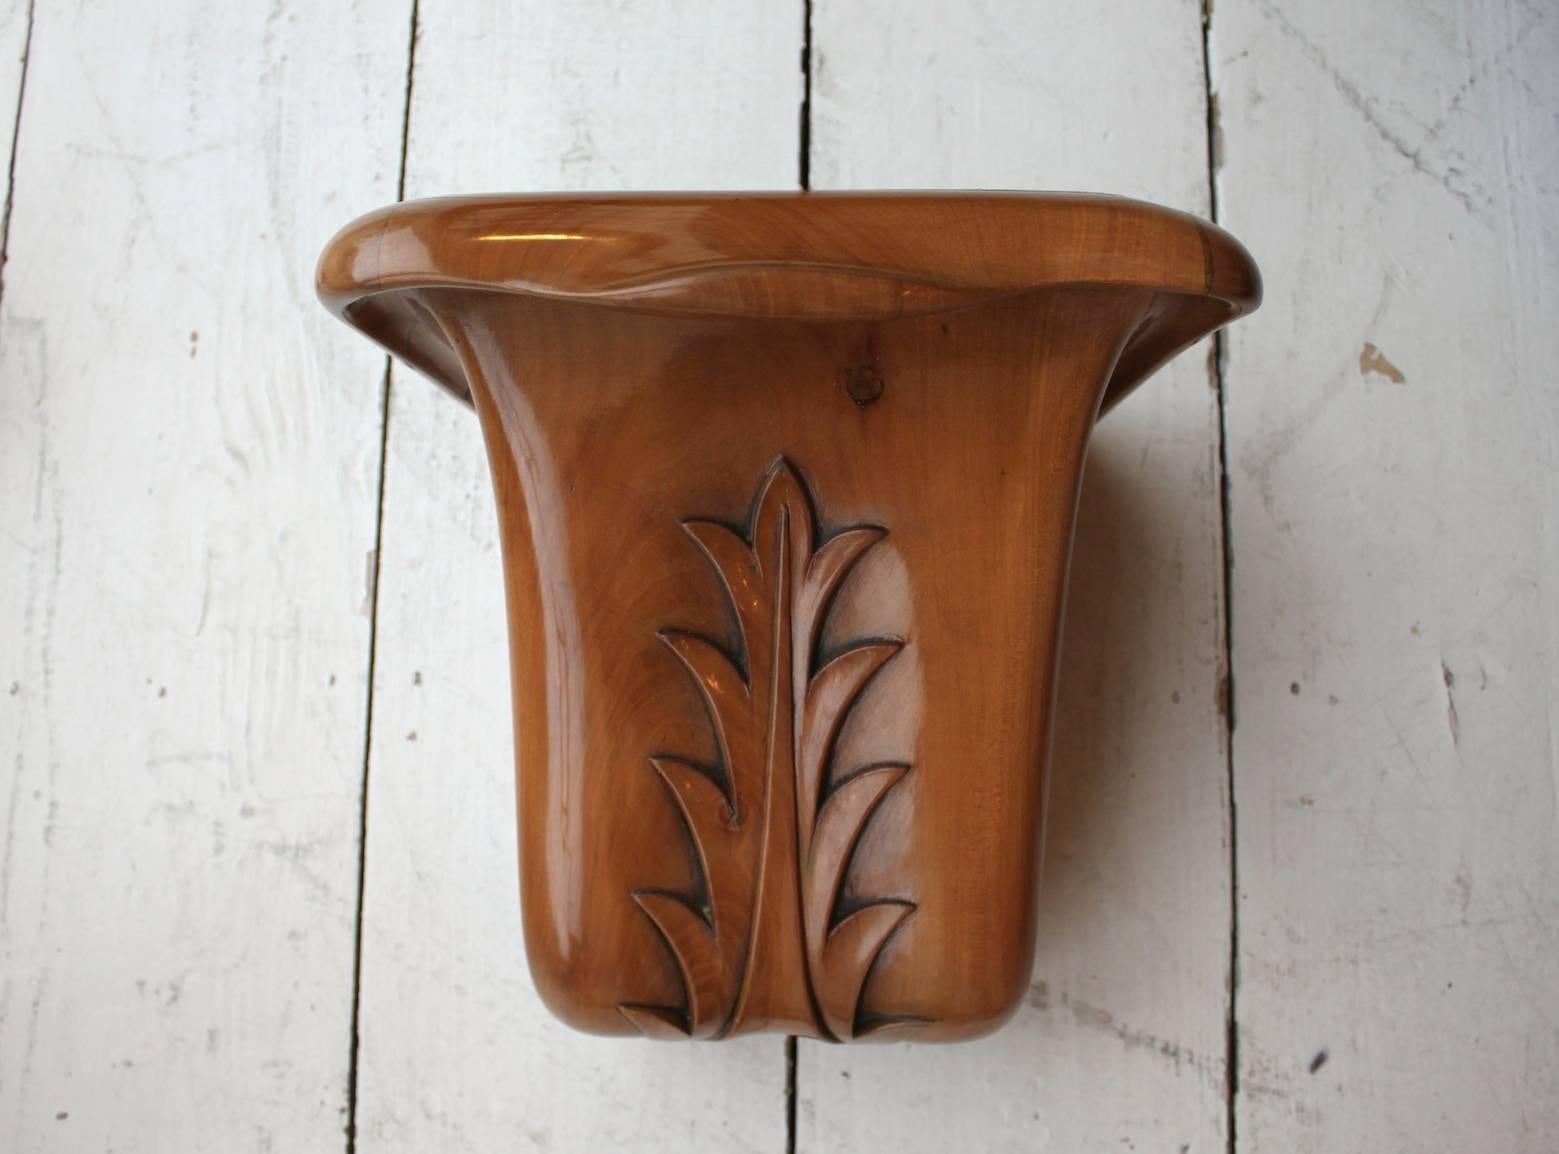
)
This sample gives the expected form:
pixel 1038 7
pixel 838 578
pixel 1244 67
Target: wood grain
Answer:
pixel 1393 422
pixel 458 1051
pixel 188 457
pixel 1122 1036
pixel 1009 319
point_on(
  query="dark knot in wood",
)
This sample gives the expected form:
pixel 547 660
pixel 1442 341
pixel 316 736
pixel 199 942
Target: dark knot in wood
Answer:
pixel 864 384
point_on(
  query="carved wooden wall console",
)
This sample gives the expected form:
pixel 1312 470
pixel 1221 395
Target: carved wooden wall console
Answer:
pixel 786 488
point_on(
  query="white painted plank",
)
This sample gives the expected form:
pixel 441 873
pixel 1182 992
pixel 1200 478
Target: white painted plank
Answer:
pixel 188 456
pixel 1394 463
pixel 1121 1044
pixel 457 1051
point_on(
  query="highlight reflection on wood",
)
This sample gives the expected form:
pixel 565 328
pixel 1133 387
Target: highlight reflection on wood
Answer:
pixel 786 487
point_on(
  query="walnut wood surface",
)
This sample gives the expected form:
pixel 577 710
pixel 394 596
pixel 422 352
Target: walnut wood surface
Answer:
pixel 786 488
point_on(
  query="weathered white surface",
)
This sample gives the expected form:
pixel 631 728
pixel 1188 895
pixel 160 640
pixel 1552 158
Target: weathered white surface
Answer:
pixel 457 1051
pixel 1395 167
pixel 188 452
pixel 1121 1044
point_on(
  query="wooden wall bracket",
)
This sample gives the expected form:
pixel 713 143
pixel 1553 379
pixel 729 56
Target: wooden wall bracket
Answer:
pixel 785 487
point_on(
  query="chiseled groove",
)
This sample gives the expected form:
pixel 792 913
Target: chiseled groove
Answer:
pixel 16 140
pixel 355 1050
pixel 1226 690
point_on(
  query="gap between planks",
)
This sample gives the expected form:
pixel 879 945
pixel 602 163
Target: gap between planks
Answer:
pixel 804 179
pixel 16 139
pixel 1215 373
pixel 373 637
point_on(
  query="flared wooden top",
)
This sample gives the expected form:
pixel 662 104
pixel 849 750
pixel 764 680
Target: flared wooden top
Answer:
pixel 816 257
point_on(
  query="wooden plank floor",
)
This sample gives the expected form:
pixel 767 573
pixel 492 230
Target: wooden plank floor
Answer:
pixel 256 821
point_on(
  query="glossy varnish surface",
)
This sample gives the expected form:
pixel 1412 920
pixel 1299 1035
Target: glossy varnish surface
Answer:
pixel 786 487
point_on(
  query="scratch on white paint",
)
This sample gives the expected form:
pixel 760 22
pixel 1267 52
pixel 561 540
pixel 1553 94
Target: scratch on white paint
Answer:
pixel 1372 360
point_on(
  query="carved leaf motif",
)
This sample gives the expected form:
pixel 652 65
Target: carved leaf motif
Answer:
pixel 766 942
pixel 829 698
pixel 656 1021
pixel 687 933
pixel 847 957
